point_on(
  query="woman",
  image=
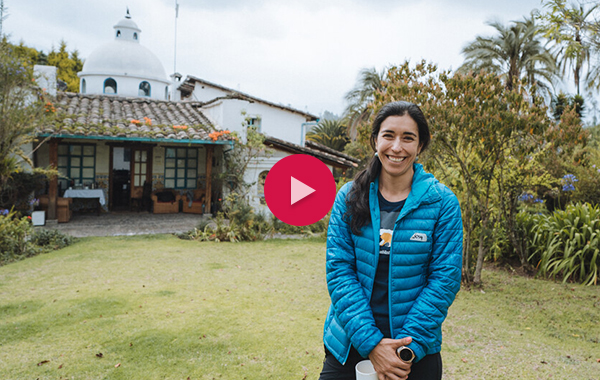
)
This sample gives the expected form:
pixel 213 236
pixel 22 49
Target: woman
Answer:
pixel 394 256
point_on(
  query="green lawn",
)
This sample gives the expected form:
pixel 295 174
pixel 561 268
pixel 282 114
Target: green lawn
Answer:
pixel 156 307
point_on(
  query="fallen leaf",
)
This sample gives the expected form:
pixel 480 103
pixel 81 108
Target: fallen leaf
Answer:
pixel 43 362
pixel 464 360
pixel 597 360
pixel 60 366
pixel 117 365
pixel 100 355
pixel 130 344
pixel 543 362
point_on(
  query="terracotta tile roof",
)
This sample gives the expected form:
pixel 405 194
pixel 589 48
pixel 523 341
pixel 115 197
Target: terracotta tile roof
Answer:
pixel 129 117
pixel 334 158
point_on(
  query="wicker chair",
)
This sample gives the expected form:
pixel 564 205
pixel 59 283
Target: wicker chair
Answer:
pixel 165 202
pixel 196 204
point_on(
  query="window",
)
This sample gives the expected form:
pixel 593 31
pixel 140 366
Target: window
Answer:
pixel 144 89
pixel 181 168
pixel 76 162
pixel 262 177
pixel 118 33
pixel 135 36
pixel 254 122
pixel 166 93
pixel 110 86
pixel 83 86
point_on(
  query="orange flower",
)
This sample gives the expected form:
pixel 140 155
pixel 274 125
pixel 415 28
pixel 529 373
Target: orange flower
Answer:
pixel 147 120
pixel 180 127
pixel 136 122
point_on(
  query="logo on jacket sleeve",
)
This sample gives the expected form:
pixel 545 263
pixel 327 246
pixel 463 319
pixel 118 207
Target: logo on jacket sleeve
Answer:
pixel 417 236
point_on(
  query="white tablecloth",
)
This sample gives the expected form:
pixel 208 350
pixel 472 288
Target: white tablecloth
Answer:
pixel 91 193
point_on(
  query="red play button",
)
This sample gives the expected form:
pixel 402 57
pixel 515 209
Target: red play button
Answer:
pixel 299 190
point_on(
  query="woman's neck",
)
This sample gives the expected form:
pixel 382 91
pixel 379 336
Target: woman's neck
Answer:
pixel 395 189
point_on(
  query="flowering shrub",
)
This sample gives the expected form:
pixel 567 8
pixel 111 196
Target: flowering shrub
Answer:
pixel 14 238
pixel 215 135
pixel 568 182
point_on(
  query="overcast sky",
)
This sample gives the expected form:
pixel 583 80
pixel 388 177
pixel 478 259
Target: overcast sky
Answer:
pixel 305 53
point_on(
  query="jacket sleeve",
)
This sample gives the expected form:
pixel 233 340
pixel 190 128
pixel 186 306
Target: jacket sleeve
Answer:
pixel 350 302
pixel 443 281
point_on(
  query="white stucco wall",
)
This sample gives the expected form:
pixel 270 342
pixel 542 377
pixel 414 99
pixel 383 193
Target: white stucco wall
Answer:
pixel 126 86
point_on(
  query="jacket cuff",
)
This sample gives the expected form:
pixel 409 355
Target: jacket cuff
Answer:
pixel 418 350
pixel 368 345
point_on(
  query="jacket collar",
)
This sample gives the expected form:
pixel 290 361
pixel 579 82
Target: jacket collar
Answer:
pixel 422 191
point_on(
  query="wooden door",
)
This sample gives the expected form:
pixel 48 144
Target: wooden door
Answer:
pixel 141 170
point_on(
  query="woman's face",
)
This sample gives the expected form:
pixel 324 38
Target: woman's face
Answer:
pixel 398 145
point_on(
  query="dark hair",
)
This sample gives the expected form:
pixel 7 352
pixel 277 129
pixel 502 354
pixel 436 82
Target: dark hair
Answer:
pixel 357 199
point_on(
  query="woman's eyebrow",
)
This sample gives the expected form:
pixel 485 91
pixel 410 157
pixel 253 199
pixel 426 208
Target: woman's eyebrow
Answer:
pixel 393 132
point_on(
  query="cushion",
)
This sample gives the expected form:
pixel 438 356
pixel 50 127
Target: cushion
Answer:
pixel 165 196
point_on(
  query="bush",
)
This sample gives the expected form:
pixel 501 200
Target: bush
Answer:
pixel 14 238
pixel 567 244
pixel 51 240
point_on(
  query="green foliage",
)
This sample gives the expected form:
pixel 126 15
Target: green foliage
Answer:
pixel 331 133
pixel 237 222
pixel 67 64
pixel 563 101
pixel 567 243
pixel 16 190
pixel 14 238
pixel 517 52
pixel 23 107
pixel 51 239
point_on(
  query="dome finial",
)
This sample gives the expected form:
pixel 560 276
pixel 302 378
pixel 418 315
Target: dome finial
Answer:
pixel 127 15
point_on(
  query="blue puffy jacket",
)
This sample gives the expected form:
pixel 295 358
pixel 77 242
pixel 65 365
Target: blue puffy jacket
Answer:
pixel 425 270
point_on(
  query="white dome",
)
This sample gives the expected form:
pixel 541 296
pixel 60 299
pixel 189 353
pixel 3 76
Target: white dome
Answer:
pixel 124 58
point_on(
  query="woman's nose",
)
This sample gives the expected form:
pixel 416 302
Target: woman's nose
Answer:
pixel 397 145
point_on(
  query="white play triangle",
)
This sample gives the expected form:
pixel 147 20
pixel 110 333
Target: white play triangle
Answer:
pixel 299 190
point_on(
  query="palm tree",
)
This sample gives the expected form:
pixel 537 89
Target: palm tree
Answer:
pixel 369 82
pixel 331 133
pixel 516 52
pixel 572 29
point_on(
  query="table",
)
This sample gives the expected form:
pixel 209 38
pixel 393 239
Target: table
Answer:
pixel 88 193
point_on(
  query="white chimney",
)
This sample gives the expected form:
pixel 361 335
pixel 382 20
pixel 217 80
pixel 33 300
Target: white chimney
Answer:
pixel 46 78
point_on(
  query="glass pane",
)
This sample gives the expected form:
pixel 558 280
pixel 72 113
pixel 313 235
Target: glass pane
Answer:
pixel 180 163
pixel 75 173
pixel 75 162
pixel 88 150
pixel 77 181
pixel 170 173
pixel 75 150
pixel 62 161
pixel 192 152
pixel 136 169
pixel 88 161
pixel 137 156
pixel 170 163
pixel 170 152
pixel 63 150
pixel 88 173
pixel 170 183
pixel 63 171
pixel 180 173
pixel 191 184
pixel 144 156
pixel 191 173
pixel 136 181
pixel 181 153
pixel 181 183
pixel 191 163
pixel 143 170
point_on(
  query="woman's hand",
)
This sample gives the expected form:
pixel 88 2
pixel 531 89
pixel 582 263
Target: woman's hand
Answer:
pixel 386 362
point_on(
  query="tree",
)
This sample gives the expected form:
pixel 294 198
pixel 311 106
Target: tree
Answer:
pixel 358 111
pixel 68 65
pixel 331 133
pixel 516 52
pixel 562 101
pixel 23 107
pixel 572 28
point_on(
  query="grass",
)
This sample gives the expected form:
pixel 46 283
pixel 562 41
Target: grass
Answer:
pixel 156 307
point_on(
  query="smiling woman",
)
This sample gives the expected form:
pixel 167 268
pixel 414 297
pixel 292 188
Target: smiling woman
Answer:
pixel 388 300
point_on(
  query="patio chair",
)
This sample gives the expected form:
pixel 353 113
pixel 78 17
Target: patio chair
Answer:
pixel 194 202
pixel 165 202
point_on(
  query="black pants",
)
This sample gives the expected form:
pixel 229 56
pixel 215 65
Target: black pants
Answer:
pixel 428 368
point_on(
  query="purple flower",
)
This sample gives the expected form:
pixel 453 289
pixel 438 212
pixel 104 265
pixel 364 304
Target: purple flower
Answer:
pixel 3 211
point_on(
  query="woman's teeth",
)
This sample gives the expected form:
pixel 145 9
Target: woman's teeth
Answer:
pixel 394 159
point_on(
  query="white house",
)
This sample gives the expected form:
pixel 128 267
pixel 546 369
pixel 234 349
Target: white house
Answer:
pixel 123 134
